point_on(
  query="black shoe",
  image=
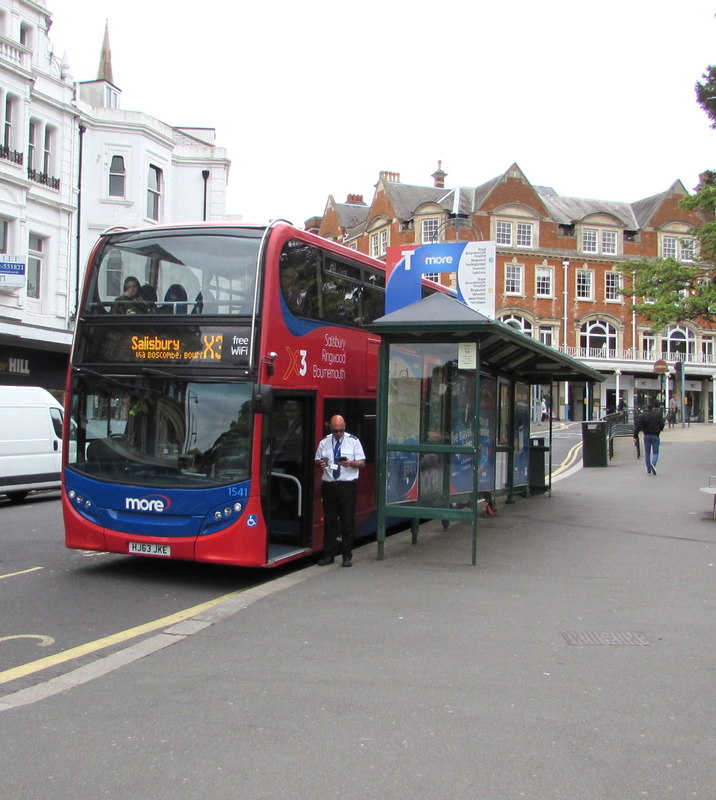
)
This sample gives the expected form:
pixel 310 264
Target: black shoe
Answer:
pixel 653 470
pixel 326 560
pixel 347 562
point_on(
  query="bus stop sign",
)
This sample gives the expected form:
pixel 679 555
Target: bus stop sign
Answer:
pixel 661 366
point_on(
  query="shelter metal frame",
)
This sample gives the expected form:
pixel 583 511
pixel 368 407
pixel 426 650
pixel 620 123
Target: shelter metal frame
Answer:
pixel 501 351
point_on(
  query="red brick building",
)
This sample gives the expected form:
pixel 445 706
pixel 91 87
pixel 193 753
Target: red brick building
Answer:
pixel 557 278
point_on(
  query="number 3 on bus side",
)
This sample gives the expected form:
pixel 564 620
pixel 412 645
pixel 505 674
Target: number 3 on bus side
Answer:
pixel 304 367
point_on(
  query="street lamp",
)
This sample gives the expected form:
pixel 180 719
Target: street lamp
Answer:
pixel 565 265
pixel 565 293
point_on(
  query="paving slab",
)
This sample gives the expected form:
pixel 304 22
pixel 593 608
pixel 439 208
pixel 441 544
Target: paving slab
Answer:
pixel 576 660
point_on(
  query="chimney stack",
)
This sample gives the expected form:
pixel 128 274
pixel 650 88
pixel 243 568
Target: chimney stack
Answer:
pixel 357 199
pixel 439 176
pixel 391 177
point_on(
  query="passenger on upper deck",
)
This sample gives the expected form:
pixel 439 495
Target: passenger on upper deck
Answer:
pixel 149 293
pixel 293 294
pixel 175 300
pixel 131 300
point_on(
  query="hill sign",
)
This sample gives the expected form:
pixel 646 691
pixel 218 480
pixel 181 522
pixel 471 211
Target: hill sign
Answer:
pixel 661 366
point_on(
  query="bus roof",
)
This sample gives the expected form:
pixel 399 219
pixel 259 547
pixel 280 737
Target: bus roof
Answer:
pixel 228 225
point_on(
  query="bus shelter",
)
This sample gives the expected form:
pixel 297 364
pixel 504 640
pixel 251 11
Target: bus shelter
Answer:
pixel 454 410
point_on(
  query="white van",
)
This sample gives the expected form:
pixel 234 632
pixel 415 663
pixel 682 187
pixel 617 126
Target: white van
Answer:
pixel 30 441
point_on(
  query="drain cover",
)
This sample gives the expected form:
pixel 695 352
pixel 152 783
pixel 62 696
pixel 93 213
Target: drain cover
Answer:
pixel 575 637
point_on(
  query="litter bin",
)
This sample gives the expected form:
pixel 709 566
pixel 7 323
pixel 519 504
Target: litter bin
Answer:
pixel 537 458
pixel 594 444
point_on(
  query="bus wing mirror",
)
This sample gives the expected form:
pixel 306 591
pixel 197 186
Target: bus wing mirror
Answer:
pixel 263 398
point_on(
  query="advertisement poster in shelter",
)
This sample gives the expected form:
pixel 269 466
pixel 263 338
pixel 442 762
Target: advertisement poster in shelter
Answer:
pixel 462 412
pixel 521 434
pixel 404 396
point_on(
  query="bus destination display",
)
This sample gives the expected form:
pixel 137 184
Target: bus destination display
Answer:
pixel 194 345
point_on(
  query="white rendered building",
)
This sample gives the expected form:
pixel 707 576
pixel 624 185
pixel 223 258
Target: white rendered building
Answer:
pixel 72 164
pixel 38 166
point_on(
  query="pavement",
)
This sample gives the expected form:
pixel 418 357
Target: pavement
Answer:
pixel 577 660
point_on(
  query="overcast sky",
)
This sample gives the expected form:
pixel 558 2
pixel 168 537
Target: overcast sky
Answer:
pixel 311 99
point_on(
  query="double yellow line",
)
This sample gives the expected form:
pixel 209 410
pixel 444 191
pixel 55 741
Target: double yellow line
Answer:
pixel 571 459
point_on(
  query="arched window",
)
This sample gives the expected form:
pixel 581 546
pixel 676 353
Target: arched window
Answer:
pixel 116 176
pixel 678 343
pixel 598 338
pixel 518 323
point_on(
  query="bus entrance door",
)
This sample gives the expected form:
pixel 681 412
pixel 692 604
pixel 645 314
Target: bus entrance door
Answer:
pixel 289 448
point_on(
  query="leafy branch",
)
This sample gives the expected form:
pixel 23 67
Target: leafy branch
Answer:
pixel 665 290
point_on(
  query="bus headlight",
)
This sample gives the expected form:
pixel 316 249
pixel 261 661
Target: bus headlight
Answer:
pixel 222 516
pixel 83 504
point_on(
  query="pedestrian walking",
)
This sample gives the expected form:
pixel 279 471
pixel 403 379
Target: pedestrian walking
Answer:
pixel 673 410
pixel 340 457
pixel 651 424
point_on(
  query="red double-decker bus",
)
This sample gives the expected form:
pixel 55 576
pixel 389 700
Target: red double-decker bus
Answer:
pixel 205 362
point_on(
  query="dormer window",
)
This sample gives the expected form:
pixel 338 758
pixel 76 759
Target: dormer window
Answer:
pixel 609 243
pixel 521 233
pixel 681 248
pixel 429 230
pixel 595 240
pixel 524 234
pixel 379 243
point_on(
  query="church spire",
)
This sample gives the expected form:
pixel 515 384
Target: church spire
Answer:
pixel 104 71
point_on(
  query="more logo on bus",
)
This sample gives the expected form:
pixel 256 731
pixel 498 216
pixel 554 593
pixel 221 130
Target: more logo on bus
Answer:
pixel 157 502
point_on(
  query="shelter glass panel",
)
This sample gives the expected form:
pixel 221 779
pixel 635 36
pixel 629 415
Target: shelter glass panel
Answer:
pixel 431 401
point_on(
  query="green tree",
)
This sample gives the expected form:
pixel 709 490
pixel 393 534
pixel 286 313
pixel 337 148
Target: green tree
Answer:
pixel 706 93
pixel 668 291
pixel 704 201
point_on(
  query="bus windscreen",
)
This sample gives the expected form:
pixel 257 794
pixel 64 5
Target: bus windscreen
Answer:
pixel 159 432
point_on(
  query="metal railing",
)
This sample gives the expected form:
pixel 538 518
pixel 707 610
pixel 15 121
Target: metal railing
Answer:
pixel 43 178
pixel 11 155
pixel 632 354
